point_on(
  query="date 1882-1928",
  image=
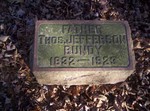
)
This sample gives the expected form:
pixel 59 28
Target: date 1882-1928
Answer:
pixel 72 61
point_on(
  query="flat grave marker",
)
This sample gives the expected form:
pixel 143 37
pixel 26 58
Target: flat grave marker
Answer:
pixel 82 52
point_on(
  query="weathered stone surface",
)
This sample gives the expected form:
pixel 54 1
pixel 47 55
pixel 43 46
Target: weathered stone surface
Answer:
pixel 82 52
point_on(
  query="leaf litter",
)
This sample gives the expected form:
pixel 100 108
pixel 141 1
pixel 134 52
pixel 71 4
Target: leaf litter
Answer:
pixel 19 90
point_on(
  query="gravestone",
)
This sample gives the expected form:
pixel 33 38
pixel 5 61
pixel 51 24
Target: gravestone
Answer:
pixel 82 52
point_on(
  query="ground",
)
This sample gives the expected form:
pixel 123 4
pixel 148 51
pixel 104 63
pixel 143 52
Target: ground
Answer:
pixel 19 90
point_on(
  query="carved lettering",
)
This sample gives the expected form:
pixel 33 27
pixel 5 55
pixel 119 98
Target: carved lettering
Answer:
pixel 47 40
pixel 81 44
pixel 81 29
pixel 98 49
pixel 67 50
